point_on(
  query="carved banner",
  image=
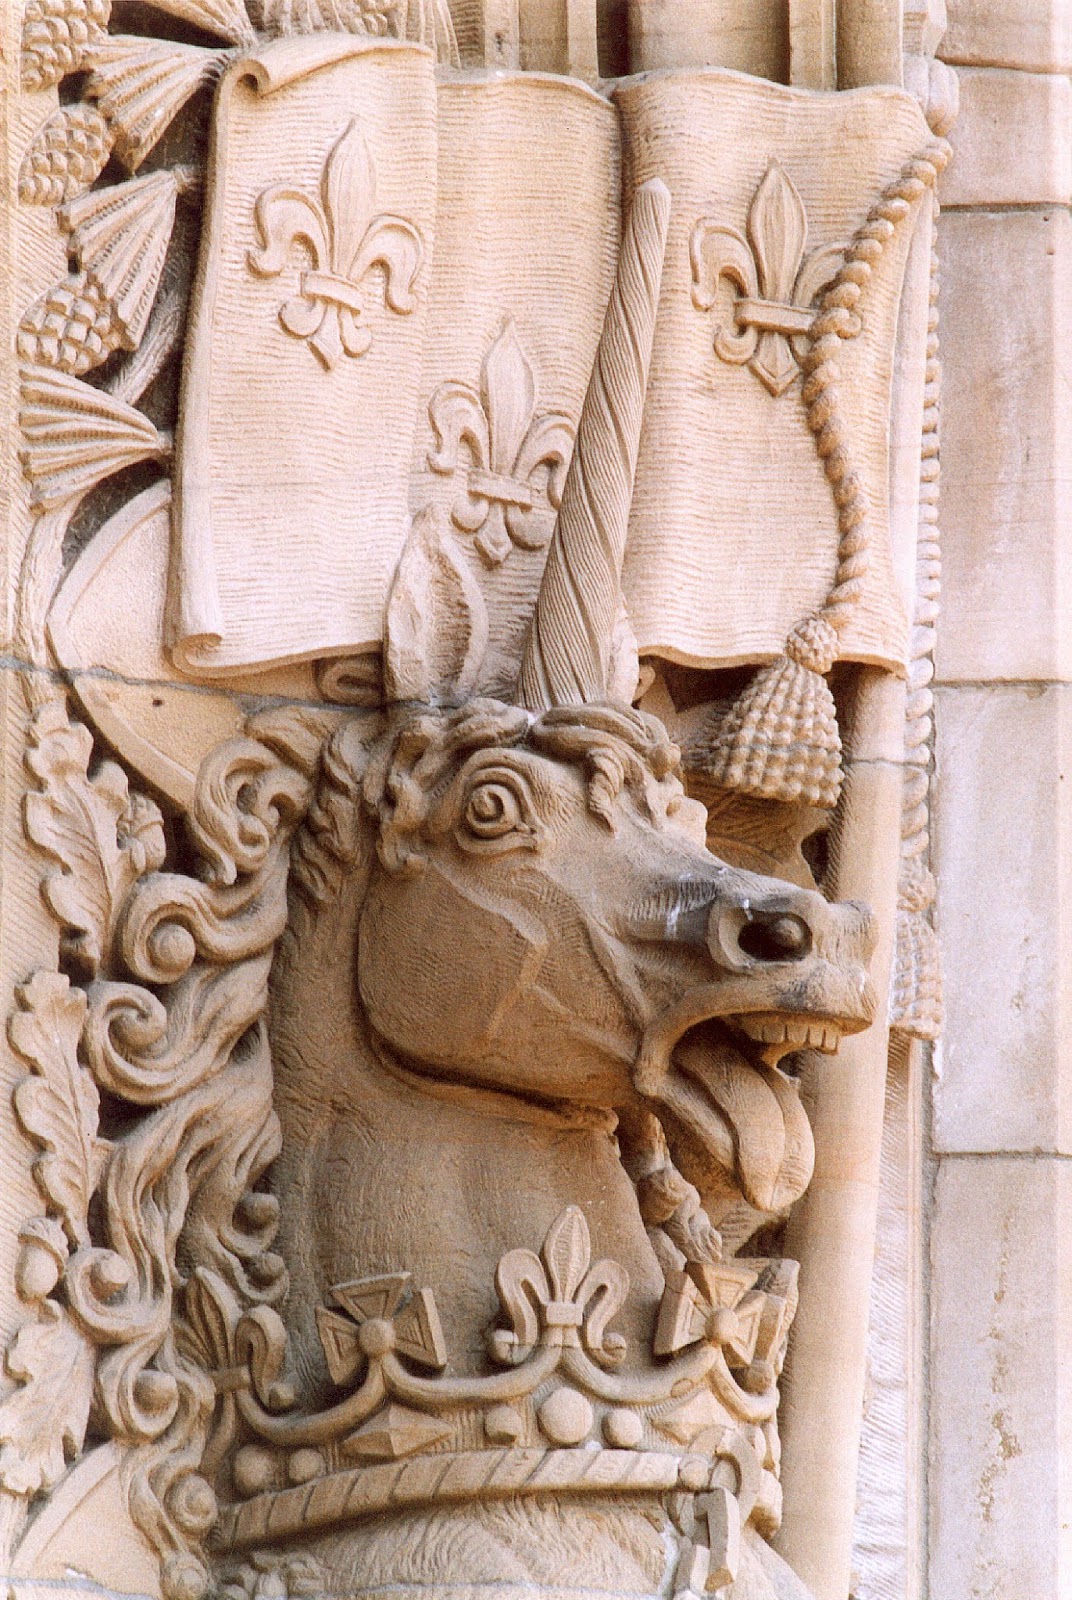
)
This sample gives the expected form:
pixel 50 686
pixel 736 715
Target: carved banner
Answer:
pixel 302 366
pixel 733 538
pixel 524 260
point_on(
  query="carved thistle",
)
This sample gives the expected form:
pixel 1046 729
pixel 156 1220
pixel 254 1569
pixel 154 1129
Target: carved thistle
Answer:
pixel 347 241
pixel 511 457
pixel 776 279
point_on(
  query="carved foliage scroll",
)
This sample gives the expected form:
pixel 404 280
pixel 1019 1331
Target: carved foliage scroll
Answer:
pixel 130 1332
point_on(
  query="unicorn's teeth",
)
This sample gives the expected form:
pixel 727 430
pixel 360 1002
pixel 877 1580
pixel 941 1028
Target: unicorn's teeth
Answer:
pixel 798 1034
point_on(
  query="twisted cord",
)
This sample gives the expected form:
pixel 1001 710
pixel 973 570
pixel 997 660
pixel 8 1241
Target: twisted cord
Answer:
pixel 919 723
pixel 568 648
pixel 916 992
pixel 838 318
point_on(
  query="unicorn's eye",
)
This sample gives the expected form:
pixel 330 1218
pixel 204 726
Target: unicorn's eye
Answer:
pixel 492 810
pixel 497 813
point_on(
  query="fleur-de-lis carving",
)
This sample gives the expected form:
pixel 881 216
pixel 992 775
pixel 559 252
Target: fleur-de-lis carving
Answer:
pixel 346 240
pixel 500 498
pixel 776 280
pixel 560 1297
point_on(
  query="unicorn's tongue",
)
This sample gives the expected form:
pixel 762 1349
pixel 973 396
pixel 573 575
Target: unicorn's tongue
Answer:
pixel 746 1118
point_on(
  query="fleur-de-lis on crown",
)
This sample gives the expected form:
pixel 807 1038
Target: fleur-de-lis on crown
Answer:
pixel 777 281
pixel 345 240
pixel 560 1297
pixel 500 498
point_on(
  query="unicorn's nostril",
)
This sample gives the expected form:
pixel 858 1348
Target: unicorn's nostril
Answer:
pixel 784 938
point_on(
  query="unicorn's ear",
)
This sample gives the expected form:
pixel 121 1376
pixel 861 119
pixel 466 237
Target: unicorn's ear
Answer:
pixel 436 624
pixel 623 661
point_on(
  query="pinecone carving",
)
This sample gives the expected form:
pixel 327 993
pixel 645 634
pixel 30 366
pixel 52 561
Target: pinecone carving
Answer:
pixel 66 156
pixel 55 34
pixel 72 327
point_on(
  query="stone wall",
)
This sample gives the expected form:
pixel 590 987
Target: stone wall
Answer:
pixel 997 1391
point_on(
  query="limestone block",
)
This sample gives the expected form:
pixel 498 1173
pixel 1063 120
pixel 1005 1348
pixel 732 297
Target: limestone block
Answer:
pixel 1012 140
pixel 1001 810
pixel 1006 461
pixel 1032 34
pixel 752 37
pixel 1000 1373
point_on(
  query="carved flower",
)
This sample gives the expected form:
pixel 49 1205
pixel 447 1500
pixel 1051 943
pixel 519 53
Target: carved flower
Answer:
pixel 559 1297
pixel 777 282
pixel 507 445
pixel 346 239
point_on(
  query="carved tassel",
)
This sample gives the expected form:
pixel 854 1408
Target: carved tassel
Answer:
pixel 120 238
pixel 780 739
pixel 76 435
pixel 567 656
pixel 142 84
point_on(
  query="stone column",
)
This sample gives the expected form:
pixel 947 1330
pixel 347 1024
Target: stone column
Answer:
pixel 1001 1332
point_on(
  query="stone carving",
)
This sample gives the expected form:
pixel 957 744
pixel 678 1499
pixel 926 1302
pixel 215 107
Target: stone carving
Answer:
pixel 509 444
pixel 119 238
pixel 54 38
pixel 75 435
pixel 360 195
pixel 346 240
pixel 446 890
pixel 776 280
pixel 140 86
pixel 916 988
pixel 65 156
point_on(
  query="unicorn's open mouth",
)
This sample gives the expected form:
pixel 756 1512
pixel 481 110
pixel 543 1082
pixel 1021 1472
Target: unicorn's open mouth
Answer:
pixel 711 1064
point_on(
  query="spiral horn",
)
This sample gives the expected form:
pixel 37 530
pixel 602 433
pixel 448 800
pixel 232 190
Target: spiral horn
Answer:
pixel 567 652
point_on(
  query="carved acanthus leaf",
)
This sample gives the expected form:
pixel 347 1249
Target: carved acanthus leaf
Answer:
pixel 103 837
pixel 58 1106
pixel 43 1422
pixel 212 1315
